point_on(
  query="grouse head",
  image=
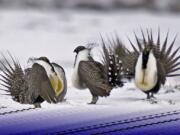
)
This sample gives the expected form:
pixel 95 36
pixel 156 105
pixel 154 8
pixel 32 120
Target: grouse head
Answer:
pixel 44 59
pixel 79 48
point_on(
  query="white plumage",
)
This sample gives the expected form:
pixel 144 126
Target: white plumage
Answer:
pixel 146 79
pixel 46 66
pixel 81 56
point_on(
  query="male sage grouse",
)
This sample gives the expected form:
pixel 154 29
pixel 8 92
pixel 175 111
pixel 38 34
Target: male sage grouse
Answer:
pixel 99 78
pixel 151 62
pixel 43 81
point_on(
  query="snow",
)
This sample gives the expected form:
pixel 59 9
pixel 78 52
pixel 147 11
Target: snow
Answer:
pixel 55 34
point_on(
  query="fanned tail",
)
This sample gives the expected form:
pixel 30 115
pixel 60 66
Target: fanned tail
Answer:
pixel 163 52
pixel 126 57
pixel 112 65
pixel 169 58
pixel 12 79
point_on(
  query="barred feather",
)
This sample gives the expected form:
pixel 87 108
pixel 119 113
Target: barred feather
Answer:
pixel 12 78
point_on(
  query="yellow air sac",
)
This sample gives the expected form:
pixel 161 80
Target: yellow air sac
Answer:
pixel 57 84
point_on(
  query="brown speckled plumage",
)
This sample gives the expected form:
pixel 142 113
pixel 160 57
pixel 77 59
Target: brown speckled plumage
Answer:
pixel 31 86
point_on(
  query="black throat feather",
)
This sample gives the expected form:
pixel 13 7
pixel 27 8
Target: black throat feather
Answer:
pixel 145 58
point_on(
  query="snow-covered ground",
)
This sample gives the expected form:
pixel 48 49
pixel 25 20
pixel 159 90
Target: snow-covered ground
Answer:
pixel 27 33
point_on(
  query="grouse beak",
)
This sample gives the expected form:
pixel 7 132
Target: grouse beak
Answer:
pixel 75 51
pixel 79 48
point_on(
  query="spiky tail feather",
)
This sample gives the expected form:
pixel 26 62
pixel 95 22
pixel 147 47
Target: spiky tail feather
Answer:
pixel 164 52
pixel 123 57
pixel 112 65
pixel 169 58
pixel 12 79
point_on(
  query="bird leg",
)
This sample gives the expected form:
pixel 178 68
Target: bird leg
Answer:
pixel 152 95
pixel 94 100
pixel 148 96
pixel 37 105
pixel 153 101
pixel 151 98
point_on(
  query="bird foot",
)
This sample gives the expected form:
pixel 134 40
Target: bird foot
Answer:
pixel 37 105
pixel 94 100
pixel 152 97
pixel 92 103
pixel 155 101
pixel 152 100
pixel 63 100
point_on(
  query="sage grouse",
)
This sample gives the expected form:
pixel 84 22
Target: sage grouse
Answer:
pixel 43 81
pixel 151 62
pixel 99 78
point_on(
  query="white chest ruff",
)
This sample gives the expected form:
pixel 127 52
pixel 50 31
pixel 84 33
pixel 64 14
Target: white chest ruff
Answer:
pixel 76 82
pixel 55 79
pixel 46 66
pixel 146 79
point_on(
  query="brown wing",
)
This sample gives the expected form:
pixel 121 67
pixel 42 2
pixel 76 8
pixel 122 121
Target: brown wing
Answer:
pixel 39 84
pixel 92 74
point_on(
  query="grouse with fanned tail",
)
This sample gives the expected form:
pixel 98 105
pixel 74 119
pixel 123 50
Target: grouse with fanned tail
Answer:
pixel 99 78
pixel 43 81
pixel 150 62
